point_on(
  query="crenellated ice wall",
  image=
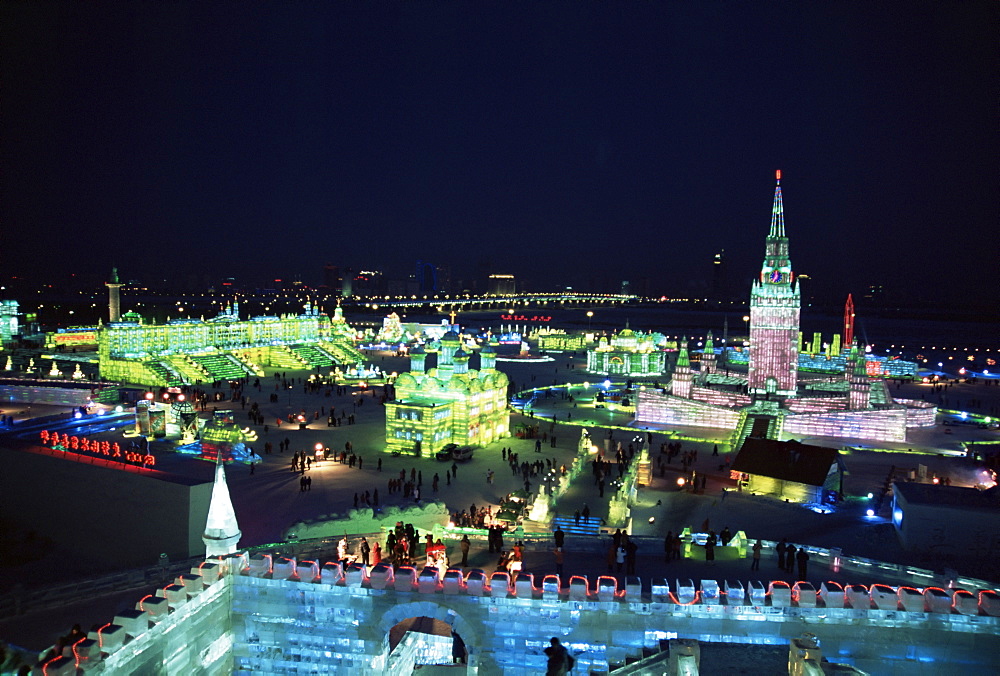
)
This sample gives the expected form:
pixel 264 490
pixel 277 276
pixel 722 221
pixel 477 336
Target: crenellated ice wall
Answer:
pixel 266 615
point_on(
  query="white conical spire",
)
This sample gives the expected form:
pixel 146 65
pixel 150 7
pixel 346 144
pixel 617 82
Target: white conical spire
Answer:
pixel 222 533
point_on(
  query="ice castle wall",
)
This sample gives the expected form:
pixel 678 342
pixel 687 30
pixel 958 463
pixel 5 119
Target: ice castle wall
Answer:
pixel 267 620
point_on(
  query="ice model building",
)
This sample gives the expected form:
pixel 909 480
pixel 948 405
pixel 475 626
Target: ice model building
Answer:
pixel 771 401
pixel 774 314
pixel 189 351
pixel 448 404
pixel 392 329
pixel 556 340
pixel 628 353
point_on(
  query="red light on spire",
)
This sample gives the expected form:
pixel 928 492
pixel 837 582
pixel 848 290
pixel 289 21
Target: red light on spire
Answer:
pixel 777 174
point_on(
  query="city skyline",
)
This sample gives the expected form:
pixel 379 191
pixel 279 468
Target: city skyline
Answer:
pixel 577 146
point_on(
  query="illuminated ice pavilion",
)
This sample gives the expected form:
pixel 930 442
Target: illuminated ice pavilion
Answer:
pixel 628 353
pixel 188 351
pixel 772 399
pixel 448 404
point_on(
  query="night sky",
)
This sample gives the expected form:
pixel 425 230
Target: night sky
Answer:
pixel 567 143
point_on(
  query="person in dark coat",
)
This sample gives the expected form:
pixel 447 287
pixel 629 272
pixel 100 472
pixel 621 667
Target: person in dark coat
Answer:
pixel 782 546
pixel 464 545
pixel 557 663
pixel 790 558
pixel 710 547
pixel 802 558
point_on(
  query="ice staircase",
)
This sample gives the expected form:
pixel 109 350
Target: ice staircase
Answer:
pixel 221 366
pixel 755 425
pixel 344 354
pixel 315 356
pixel 283 356
pixel 588 526
pixel 164 374
pixel 189 370
pixel 652 662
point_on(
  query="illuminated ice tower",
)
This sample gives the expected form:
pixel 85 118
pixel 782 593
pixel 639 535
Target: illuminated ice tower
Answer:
pixel 222 532
pixel 114 302
pixel 774 314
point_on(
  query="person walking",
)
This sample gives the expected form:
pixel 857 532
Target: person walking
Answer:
pixel 619 558
pixel 365 551
pixel 782 546
pixel 559 536
pixel 755 564
pixel 557 553
pixel 710 548
pixel 464 546
pixel 790 552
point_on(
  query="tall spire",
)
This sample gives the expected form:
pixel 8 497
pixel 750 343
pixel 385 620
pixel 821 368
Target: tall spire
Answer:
pixel 849 320
pixel 777 212
pixel 114 300
pixel 683 359
pixel 777 268
pixel 775 301
pixel 222 532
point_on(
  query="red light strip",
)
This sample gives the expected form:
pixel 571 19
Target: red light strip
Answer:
pixel 697 597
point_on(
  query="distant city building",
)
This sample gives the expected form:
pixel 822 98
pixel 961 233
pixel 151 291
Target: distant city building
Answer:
pixel 771 402
pixel 874 295
pixel 8 320
pixel 368 283
pixel 501 285
pixel 331 277
pixel 426 278
pixel 448 404
pixel 114 300
pixel 721 283
pixel 347 283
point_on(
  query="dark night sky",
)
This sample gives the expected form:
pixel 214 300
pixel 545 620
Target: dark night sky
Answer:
pixel 561 142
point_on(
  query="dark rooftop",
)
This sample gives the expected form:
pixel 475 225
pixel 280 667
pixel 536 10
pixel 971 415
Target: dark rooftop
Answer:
pixel 785 460
pixel 951 496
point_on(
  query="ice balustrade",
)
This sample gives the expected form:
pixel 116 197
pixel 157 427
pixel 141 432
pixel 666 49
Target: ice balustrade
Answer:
pixel 216 617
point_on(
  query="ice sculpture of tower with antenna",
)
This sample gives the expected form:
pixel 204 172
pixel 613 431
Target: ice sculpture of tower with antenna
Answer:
pixel 775 302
